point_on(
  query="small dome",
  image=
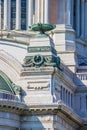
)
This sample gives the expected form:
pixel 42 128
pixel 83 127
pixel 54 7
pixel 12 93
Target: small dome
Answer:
pixel 5 84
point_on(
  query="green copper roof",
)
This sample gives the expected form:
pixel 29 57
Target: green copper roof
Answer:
pixel 5 84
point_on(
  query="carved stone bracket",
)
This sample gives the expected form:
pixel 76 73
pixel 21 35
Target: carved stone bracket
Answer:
pixel 17 89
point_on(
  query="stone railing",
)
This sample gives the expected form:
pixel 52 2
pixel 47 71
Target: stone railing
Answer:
pixel 82 76
pixel 7 96
pixel 81 79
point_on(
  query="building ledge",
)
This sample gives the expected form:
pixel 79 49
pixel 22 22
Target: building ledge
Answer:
pixel 59 109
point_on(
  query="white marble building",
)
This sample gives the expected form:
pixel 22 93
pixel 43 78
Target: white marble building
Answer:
pixel 49 92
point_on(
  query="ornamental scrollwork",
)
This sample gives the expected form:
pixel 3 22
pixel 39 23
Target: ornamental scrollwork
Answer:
pixel 39 60
pixel 28 61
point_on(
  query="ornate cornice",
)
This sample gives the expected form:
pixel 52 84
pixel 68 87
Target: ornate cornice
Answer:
pixel 35 109
pixel 56 108
pixel 12 106
pixel 59 109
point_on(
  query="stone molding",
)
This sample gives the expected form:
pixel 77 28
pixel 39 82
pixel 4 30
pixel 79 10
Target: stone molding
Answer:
pixel 4 56
pixel 63 28
pixel 12 106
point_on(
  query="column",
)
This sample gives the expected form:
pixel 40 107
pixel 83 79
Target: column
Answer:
pixel 29 13
pixel 0 15
pixel 46 13
pixel 18 14
pixel 7 14
pixel 83 18
pixel 68 12
pixel 37 9
pixel 78 21
pixel 61 14
pixel 72 12
pixel 42 11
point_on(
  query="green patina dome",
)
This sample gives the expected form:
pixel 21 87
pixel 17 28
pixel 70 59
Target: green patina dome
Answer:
pixel 5 84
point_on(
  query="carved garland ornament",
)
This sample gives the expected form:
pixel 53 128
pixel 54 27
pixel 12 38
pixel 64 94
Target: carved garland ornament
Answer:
pixel 39 60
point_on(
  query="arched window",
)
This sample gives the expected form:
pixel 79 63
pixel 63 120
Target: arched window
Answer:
pixel 13 14
pixel 23 14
